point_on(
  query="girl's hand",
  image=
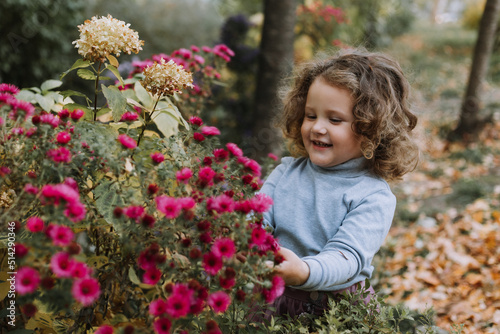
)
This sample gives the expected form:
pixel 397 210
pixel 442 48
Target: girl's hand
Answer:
pixel 293 270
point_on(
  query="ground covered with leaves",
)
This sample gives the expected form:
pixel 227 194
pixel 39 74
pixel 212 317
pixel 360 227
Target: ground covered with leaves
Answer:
pixel 443 250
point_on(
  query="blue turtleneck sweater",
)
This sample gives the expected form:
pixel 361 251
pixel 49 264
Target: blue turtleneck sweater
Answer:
pixel 334 218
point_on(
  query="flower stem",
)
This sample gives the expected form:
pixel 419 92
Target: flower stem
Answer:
pixel 96 90
pixel 147 119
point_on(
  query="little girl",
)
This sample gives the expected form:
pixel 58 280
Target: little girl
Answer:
pixel 349 124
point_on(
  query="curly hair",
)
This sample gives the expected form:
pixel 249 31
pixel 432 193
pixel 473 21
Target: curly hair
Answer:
pixel 382 116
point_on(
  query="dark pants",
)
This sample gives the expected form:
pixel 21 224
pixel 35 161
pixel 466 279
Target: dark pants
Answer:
pixel 295 302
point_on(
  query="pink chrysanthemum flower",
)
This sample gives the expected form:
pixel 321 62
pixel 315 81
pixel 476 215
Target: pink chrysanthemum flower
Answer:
pixel 184 175
pixel 261 203
pixel 187 203
pixel 206 175
pixel 35 224
pixel 104 329
pixel 75 211
pixel 220 204
pixel 212 263
pixel 195 120
pixel 133 211
pixel 61 154
pixel 210 131
pixel 151 276
pixel 162 326
pixel 61 235
pixel 77 114
pixel 224 247
pixel 179 303
pixel 158 307
pixel 250 164
pixel 63 137
pixel 258 236
pixel 127 142
pixel 80 270
pixel 30 189
pixel 100 37
pixel 27 280
pixel 61 264
pixel 276 290
pixel 170 206
pixel 157 157
pixel 273 156
pixel 219 301
pixel 234 149
pixel 8 88
pixel 50 119
pixel 86 290
pixel 221 154
pixel 198 137
pixel 129 116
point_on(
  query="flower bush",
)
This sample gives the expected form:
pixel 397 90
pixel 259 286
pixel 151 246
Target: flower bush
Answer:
pixel 123 229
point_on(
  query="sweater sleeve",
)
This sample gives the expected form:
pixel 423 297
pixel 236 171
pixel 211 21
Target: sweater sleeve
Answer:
pixel 269 186
pixel 347 256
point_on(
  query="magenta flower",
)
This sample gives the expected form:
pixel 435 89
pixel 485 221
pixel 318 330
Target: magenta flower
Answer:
pixel 151 276
pixel 220 204
pixel 86 290
pixel 127 142
pixel 210 131
pixel 179 304
pixel 133 211
pixel 195 120
pixel 212 263
pixel 157 157
pixel 30 189
pixel 198 137
pixel 162 326
pixel 27 280
pixel 184 175
pixel 80 270
pixel 261 203
pixel 61 235
pixel 77 114
pixel 50 119
pixel 259 236
pixel 276 290
pixel 226 283
pixel 61 154
pixel 206 175
pixel 75 211
pixel 63 137
pixel 221 154
pixel 273 156
pixel 8 88
pixel 234 149
pixel 104 329
pixel 158 307
pixel 224 247
pixel 62 265
pixel 187 203
pixel 219 301
pixel 250 164
pixel 169 206
pixel 34 224
pixel 129 116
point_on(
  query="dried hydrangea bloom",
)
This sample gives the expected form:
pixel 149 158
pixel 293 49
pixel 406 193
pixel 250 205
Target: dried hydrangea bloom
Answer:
pixel 166 78
pixel 104 36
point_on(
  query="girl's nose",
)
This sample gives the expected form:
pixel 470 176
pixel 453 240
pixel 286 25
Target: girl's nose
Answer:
pixel 319 128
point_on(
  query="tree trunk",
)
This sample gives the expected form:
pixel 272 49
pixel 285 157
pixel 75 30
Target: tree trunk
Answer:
pixel 470 123
pixel 275 62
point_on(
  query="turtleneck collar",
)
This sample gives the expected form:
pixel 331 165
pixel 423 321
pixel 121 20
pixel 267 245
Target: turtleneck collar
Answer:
pixel 350 168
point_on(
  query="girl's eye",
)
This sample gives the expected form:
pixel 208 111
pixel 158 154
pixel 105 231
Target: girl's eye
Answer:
pixel 335 120
pixel 310 116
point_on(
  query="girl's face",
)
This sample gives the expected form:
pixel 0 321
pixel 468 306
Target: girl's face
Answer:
pixel 327 126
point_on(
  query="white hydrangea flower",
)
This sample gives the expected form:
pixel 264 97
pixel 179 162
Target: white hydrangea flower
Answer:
pixel 166 78
pixel 104 36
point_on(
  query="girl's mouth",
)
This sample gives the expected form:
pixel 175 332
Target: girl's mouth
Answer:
pixel 320 144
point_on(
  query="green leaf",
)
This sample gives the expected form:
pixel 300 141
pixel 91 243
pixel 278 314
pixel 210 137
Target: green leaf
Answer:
pixel 166 123
pixel 132 276
pixel 144 96
pixel 80 63
pixel 26 95
pixel 112 60
pixel 86 74
pixel 117 74
pixel 50 84
pixel 107 198
pixel 69 92
pixel 45 102
pixel 116 101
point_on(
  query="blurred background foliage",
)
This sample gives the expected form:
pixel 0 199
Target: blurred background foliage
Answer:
pixel 36 38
